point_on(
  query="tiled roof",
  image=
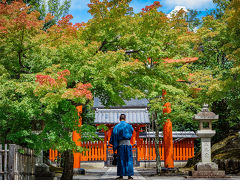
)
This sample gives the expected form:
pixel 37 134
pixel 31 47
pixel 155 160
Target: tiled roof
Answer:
pixel 111 116
pixel 133 103
pixel 176 134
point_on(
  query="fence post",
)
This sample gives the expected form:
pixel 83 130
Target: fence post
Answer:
pixel 20 157
pixel 5 162
pixel 183 149
pixel 16 162
pixel 105 151
pixel 11 161
pixel 33 164
pixel 187 147
pixel 174 151
pixel 28 163
pixel 1 162
pixel 95 152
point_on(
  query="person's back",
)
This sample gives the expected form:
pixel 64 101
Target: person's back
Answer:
pixel 120 139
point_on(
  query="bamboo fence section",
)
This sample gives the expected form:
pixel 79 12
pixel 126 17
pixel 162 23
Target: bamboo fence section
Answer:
pixel 16 163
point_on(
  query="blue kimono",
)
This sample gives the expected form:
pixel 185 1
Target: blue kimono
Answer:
pixel 123 131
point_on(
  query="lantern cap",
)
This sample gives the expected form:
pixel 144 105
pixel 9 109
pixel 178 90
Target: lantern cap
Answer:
pixel 205 114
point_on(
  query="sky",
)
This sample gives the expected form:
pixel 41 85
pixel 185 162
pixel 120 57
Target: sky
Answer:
pixel 79 8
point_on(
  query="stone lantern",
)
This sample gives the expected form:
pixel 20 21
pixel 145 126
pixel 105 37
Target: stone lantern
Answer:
pixel 206 168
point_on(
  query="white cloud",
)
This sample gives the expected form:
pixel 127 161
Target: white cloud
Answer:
pixel 190 4
pixel 79 4
pixel 177 8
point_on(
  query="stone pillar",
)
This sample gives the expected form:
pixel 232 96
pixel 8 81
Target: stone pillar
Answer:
pixel 205 136
pixel 206 150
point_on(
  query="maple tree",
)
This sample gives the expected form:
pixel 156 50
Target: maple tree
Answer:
pixel 23 54
pixel 216 72
pixel 56 8
pixel 59 102
pixel 22 39
pixel 149 37
pixel 120 53
pixel 116 56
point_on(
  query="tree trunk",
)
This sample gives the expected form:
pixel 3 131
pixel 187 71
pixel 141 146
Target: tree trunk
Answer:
pixel 67 165
pixel 158 160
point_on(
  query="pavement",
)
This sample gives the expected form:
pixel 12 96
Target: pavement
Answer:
pixel 110 173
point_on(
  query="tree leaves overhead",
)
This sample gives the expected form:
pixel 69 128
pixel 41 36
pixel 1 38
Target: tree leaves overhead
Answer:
pixel 122 54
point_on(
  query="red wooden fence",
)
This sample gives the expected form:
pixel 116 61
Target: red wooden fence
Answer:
pixel 182 150
pixel 96 151
pixel 53 154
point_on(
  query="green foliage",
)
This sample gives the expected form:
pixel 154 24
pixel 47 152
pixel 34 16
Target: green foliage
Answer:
pixel 217 70
pixel 57 8
pixel 192 19
pixel 116 56
pixel 121 54
pixel 19 108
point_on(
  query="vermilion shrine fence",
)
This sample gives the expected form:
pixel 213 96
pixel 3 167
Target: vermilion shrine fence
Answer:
pixel 97 151
pixel 183 150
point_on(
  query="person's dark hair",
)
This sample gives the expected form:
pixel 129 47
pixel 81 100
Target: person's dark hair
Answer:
pixel 122 117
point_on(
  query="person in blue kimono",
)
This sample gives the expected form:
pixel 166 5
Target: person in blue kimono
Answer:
pixel 120 139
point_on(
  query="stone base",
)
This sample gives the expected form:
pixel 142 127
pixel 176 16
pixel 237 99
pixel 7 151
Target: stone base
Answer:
pixel 169 171
pixel 207 174
pixel 206 170
pixel 152 164
pixel 92 164
pixel 210 166
pixel 45 178
pixel 79 171
pixel 42 172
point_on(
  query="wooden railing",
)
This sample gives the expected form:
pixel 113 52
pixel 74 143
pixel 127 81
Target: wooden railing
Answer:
pixel 16 162
pixel 183 149
pixel 53 155
pixel 96 151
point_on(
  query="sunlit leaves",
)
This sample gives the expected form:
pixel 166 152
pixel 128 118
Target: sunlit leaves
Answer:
pixel 52 90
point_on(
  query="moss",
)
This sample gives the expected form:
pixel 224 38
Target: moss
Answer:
pixel 55 169
pixel 226 149
pixel 222 143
